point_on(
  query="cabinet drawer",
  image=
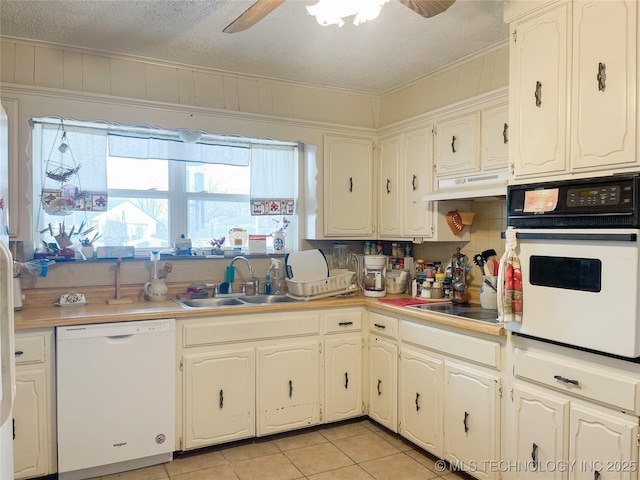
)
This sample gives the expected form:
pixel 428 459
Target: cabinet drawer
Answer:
pixel 245 328
pixel 343 321
pixel 607 386
pixel 30 349
pixel 383 325
pixel 468 347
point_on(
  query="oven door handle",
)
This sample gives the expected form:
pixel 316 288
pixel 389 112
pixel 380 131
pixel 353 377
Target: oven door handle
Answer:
pixel 582 237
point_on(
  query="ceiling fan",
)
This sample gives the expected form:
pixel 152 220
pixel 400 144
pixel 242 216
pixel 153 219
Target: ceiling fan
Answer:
pixel 262 8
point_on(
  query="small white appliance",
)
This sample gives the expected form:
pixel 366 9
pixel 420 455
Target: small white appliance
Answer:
pixel 374 276
pixel 116 397
pixel 579 250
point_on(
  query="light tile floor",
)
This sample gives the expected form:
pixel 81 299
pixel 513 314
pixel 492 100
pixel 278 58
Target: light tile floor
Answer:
pixel 356 450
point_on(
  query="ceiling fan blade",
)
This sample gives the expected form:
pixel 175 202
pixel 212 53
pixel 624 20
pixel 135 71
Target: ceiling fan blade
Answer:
pixel 253 15
pixel 427 8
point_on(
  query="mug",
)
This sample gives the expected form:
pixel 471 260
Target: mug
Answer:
pixel 156 290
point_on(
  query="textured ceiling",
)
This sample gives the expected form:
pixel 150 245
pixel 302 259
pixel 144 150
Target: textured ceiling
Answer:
pixel 288 44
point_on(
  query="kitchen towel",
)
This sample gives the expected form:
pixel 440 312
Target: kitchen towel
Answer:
pixel 510 281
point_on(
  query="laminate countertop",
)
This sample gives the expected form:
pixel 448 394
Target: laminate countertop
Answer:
pixel 47 316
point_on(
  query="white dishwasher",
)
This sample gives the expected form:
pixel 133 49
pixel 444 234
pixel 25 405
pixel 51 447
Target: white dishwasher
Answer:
pixel 116 397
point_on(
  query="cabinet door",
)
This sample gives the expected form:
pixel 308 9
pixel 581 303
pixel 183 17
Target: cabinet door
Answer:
pixel 603 446
pixel 541 429
pixel 604 84
pixel 349 188
pixel 418 181
pixel 289 384
pixel 31 458
pixel 471 418
pixel 343 377
pixel 420 400
pixel 219 397
pixel 495 138
pixel 458 145
pixel 389 195
pixel 383 374
pixel 538 72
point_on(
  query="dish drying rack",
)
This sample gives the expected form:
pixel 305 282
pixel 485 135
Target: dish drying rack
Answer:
pixel 337 283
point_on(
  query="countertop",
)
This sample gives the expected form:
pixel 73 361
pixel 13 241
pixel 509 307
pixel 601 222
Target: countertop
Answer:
pixel 100 312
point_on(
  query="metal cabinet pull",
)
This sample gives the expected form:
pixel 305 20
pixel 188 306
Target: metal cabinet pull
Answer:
pixel 414 183
pixel 567 380
pixel 505 134
pixel 453 144
pixel 534 456
pixel 601 76
pixel 388 182
pixel 379 382
pixel 350 184
pixel 290 388
pixel 538 94
pixel 346 380
pixel 344 324
pixel 596 475
pixel 19 353
pixel 464 422
pixel 417 404
pixel 221 398
pixel 377 325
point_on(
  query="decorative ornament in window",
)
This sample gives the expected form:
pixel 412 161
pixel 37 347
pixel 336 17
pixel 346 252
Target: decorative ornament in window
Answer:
pixel 278 206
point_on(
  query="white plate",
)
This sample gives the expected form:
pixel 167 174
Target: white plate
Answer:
pixel 70 304
pixel 306 266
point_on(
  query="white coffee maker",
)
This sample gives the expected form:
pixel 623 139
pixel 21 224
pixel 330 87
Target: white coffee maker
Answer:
pixel 374 276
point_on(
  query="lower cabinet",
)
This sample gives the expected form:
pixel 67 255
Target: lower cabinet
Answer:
pixel 219 397
pixel 343 377
pixel 289 382
pixel 383 370
pixel 34 443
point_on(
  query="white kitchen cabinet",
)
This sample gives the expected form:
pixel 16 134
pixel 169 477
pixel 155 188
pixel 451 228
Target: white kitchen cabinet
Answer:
pixel 343 364
pixel 572 84
pixel 417 155
pixel 289 387
pixel 457 145
pixel 390 188
pixel 495 137
pixel 219 397
pixel 471 418
pixel 34 444
pixel 349 190
pixel 383 387
pixel 420 399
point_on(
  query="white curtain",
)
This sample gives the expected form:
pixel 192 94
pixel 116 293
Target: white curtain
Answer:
pixel 273 174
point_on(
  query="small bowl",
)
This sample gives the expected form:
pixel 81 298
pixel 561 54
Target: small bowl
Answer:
pixel 72 298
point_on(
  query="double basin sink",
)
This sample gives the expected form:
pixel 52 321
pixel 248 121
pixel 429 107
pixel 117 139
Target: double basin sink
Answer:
pixel 233 301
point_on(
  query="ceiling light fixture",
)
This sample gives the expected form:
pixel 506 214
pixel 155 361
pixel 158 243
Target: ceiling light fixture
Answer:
pixel 331 12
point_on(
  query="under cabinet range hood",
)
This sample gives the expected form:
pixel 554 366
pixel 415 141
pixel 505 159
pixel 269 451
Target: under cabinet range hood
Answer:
pixel 472 186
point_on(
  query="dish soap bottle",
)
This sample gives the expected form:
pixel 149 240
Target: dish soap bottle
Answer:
pixel 275 280
pixel 267 284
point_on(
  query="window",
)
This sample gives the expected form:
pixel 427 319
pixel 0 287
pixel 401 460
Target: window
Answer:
pixel 152 201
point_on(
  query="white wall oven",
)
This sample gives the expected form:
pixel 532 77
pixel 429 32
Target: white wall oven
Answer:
pixel 578 244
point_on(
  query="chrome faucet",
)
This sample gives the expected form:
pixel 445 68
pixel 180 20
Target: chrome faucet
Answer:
pixel 255 280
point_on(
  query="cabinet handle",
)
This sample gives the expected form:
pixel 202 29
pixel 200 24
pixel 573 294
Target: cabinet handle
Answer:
pixel 538 94
pixel 350 184
pixel 377 325
pixel 414 183
pixel 505 134
pixel 290 388
pixel 346 380
pixel 534 456
pixel 567 380
pixel 596 475
pixel 379 382
pixel 417 405
pixel 601 76
pixel 388 182
pixel 464 422
pixel 453 144
pixel 221 396
pixel 344 324
pixel 19 353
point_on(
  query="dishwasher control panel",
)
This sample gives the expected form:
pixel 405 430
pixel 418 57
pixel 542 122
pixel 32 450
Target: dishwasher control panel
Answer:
pixel 115 329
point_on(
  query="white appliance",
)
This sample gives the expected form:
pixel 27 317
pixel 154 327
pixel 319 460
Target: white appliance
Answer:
pixel 116 397
pixel 578 244
pixel 7 353
pixel 374 279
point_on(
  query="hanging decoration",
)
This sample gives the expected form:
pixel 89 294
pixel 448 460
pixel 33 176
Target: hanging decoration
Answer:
pixel 68 196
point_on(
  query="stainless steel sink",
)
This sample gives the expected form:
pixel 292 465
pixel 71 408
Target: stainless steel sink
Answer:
pixel 236 301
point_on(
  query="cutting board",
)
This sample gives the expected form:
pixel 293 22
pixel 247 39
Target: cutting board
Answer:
pixel 306 266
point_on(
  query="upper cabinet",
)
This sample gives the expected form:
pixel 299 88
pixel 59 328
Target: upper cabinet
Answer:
pixel 349 187
pixel 572 87
pixel 458 145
